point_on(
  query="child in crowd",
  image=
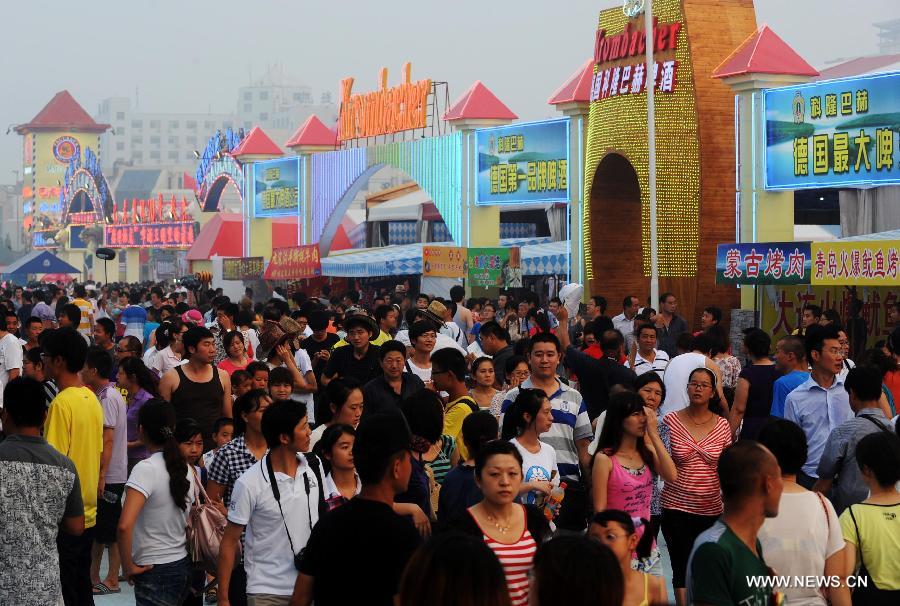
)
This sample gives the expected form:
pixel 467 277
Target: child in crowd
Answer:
pixel 259 373
pixel 241 383
pixel 223 430
pixel 281 383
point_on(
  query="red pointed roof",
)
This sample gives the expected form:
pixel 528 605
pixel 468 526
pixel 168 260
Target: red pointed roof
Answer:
pixel 577 87
pixel 257 143
pixel 220 236
pixel 479 103
pixel 313 132
pixel 62 113
pixel 764 53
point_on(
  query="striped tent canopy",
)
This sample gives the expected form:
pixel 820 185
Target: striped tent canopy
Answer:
pixel 539 257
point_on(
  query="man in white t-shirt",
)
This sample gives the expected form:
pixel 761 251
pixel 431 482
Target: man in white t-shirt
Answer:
pixel 10 358
pixel 278 517
pixel 679 371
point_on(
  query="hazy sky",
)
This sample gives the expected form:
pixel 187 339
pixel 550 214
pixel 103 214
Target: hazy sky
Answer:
pixel 192 55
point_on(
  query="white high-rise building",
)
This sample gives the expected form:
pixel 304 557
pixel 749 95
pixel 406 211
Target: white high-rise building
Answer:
pixel 168 141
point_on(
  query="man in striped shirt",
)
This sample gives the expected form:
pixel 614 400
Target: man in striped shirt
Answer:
pixel 86 325
pixel 571 431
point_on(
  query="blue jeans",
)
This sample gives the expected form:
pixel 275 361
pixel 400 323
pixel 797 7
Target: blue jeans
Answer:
pixel 163 585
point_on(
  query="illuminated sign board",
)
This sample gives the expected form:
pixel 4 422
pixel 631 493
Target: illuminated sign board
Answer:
pixel 171 234
pixel 384 111
pixel 871 263
pixel 523 163
pixel 631 78
pixel 244 268
pixel 277 187
pixel 833 133
pixel 44 239
pixel 758 263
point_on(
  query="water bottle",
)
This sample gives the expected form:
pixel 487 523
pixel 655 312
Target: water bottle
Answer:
pixel 554 501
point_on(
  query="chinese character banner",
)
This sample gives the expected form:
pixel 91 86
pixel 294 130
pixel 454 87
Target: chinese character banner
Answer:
pixel 872 262
pixel 833 133
pixel 523 163
pixel 276 187
pixel 763 263
pixel 781 308
pixel 294 263
pixel 444 261
pixel 242 268
pixel 489 267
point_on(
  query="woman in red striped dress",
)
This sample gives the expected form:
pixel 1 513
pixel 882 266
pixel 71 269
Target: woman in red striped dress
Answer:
pixel 695 437
pixel 511 530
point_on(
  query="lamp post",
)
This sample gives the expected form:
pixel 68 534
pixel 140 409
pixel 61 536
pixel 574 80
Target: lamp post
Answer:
pixel 651 147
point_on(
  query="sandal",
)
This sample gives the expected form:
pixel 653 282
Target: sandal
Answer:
pixel 102 589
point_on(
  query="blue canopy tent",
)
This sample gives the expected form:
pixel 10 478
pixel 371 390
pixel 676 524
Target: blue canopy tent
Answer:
pixel 540 257
pixel 39 262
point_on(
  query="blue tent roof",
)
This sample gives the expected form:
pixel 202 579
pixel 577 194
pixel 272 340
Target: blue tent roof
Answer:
pixel 40 262
pixel 540 257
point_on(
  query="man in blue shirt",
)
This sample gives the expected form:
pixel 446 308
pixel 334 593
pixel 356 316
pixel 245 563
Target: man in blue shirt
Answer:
pixel 838 471
pixel 790 361
pixel 820 404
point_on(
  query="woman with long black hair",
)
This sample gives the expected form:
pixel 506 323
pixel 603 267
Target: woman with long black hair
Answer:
pixel 525 420
pixel 152 540
pixel 139 385
pixel 629 458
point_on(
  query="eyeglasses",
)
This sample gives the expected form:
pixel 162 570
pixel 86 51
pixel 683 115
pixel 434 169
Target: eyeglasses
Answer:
pixel 439 372
pixel 693 385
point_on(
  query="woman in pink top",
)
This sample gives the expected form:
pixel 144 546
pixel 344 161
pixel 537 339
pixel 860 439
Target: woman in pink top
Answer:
pixel 629 455
pixel 237 359
pixel 696 437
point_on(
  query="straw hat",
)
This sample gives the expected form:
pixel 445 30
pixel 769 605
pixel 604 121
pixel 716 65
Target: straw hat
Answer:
pixel 435 312
pixel 274 334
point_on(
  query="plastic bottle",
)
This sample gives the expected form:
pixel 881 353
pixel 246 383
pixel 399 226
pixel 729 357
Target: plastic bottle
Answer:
pixel 554 501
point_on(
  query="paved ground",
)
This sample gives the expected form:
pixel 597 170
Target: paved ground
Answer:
pixel 127 595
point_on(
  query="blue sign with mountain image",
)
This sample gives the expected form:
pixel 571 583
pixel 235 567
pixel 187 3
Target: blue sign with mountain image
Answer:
pixel 523 163
pixel 276 187
pixel 834 133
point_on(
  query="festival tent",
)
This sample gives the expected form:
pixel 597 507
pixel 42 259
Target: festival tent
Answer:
pixel 404 208
pixel 40 262
pixel 540 257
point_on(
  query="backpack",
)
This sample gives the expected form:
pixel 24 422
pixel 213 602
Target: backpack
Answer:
pixel 468 401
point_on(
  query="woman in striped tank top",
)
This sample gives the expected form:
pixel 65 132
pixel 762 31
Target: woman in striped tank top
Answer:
pixel 695 437
pixel 512 531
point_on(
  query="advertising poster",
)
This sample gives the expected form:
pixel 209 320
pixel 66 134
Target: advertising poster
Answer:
pixel 763 263
pixel 276 187
pixel 523 163
pixel 870 262
pixel 294 263
pixel 833 133
pixel 443 261
pixel 243 268
pixel 495 267
pixel 781 308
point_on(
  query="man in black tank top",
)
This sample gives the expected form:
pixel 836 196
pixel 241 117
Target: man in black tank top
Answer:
pixel 197 389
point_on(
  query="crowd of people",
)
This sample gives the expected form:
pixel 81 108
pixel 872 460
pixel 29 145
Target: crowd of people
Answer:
pixel 401 448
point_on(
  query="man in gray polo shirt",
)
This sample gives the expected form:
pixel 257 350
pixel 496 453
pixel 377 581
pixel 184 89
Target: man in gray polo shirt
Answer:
pixel 40 491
